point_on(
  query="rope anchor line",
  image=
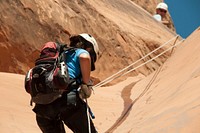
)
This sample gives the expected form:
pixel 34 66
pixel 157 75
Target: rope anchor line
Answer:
pixel 116 75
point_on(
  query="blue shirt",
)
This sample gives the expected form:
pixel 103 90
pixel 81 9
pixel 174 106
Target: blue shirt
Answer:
pixel 73 63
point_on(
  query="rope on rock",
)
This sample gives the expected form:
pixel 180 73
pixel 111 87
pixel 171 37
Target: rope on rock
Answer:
pixel 118 74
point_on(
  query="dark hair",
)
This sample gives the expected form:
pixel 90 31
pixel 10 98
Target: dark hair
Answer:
pixel 75 42
pixel 79 42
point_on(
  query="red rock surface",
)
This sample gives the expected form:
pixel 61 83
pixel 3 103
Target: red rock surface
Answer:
pixel 166 101
pixel 155 98
pixel 124 31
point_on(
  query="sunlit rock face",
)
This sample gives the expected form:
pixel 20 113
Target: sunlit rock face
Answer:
pixel 124 31
pixel 150 6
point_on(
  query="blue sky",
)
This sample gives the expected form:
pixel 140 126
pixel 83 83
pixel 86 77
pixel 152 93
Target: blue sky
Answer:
pixel 185 15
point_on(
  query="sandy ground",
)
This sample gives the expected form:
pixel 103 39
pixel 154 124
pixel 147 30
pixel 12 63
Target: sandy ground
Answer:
pixel 166 101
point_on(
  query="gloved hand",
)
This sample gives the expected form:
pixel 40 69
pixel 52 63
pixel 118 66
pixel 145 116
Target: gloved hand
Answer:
pixel 85 91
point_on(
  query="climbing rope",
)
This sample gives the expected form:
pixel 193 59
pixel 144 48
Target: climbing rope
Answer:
pixel 109 79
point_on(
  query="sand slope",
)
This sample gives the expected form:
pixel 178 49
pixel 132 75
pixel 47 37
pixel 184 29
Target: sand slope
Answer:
pixel 164 102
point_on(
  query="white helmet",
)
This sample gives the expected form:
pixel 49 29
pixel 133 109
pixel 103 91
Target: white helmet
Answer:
pixel 91 39
pixel 162 6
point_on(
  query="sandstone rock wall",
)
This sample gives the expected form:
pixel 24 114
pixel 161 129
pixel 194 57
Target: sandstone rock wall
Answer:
pixel 150 6
pixel 124 31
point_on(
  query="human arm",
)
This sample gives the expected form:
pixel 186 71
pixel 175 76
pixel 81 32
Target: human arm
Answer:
pixel 159 19
pixel 85 65
pixel 165 22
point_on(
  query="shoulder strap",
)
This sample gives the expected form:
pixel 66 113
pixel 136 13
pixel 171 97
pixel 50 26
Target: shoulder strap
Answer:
pixel 60 46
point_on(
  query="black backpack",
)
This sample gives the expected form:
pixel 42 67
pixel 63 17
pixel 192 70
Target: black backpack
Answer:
pixel 49 78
